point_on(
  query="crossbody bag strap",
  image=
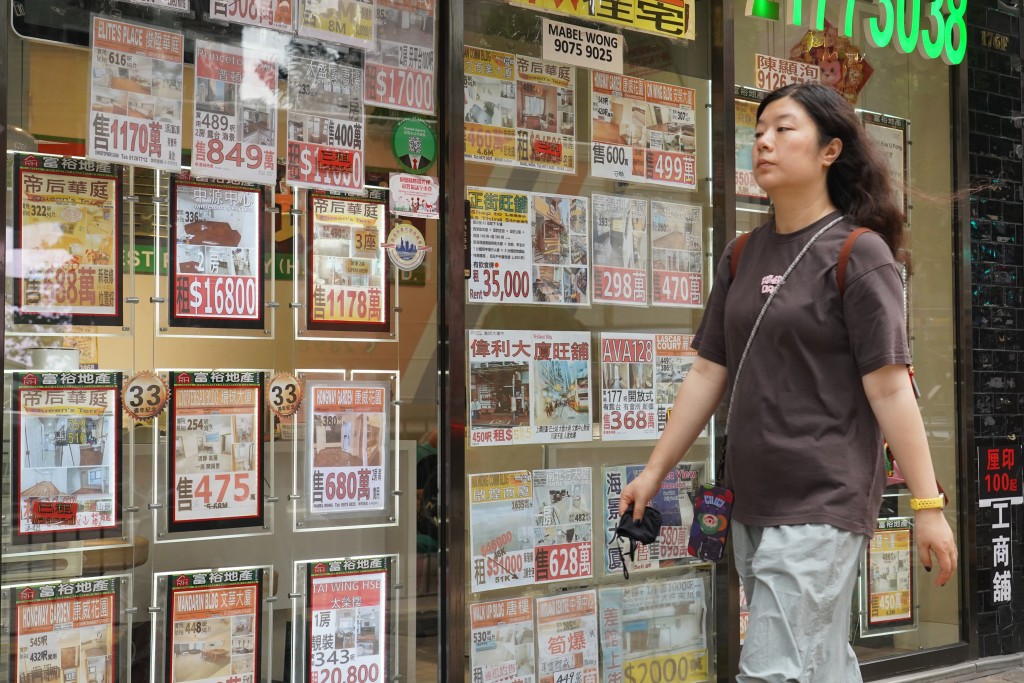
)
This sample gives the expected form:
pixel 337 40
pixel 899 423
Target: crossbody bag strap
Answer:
pixel 760 317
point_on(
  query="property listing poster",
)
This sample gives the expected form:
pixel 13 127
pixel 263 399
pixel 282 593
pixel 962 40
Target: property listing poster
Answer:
pixel 890 133
pixel 674 500
pixel 519 111
pixel 490 105
pixel 640 377
pixel 67 440
pixel 673 360
pixel 528 247
pixel 545 115
pixel 235 115
pixel 346 272
pixel 746 121
pixel 655 631
pixel 66 632
pixel 178 5
pixel 67 236
pixel 621 256
pixel 214 626
pixel 347 431
pixel 400 67
pixel 890 572
pixel 276 14
pixel 216 273
pixel 325 120
pixel 627 387
pixel 501 529
pixel 643 131
pixel 677 254
pixel 345 22
pixel 135 95
pixel 563 509
pixel 346 620
pixel 567 638
pixel 216 444
pixel 502 633
pixel 529 387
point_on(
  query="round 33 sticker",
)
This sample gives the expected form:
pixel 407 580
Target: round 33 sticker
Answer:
pixel 144 396
pixel 285 394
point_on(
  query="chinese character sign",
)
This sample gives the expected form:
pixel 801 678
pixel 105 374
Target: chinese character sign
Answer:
pixel 66 631
pixel 345 22
pixel 400 68
pixel 772 73
pixel 135 95
pixel 672 18
pixel 567 637
pixel 529 387
pixel 545 115
pixel 562 518
pixel 214 626
pixel 502 633
pixel 673 360
pixel 501 530
pixel 621 250
pixel 890 134
pixel 67 236
pixel 67 443
pixel 276 14
pixel 346 279
pixel 674 500
pixel 1000 471
pixel 890 573
pixel 215 439
pixel 235 116
pixel 490 106
pixel 627 387
pixel 674 612
pixel 346 620
pixel 528 248
pixel 216 277
pixel 325 121
pixel 347 437
pixel 643 131
pixel 677 254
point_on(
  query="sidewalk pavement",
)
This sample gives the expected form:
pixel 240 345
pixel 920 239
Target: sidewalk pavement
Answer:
pixel 988 670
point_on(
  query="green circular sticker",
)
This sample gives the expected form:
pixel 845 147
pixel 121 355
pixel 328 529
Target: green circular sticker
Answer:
pixel 414 145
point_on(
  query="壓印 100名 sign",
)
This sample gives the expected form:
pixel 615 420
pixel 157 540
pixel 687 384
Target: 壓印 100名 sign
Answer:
pixel 216 449
pixel 216 276
pixel 346 273
pixel 135 95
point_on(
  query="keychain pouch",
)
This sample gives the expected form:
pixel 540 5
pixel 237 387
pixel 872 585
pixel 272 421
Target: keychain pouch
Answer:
pixel 712 515
pixel 644 532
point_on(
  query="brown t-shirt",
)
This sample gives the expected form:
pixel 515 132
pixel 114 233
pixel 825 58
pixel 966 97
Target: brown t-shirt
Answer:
pixel 804 446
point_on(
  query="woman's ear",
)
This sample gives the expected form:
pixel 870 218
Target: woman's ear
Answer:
pixel 831 151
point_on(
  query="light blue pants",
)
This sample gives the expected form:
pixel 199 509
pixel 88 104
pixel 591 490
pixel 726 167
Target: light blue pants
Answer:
pixel 799 582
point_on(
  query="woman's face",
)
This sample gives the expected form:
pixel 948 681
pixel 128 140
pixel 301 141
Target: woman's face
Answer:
pixel 786 152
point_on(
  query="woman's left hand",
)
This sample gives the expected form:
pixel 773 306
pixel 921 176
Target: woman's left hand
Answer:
pixel 935 537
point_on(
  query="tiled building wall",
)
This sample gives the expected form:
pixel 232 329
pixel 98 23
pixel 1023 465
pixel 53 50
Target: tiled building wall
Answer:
pixel 997 258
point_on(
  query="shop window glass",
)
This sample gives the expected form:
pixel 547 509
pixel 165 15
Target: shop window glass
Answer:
pixel 903 100
pixel 588 197
pixel 208 541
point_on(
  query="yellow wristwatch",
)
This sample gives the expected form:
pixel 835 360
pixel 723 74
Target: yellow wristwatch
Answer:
pixel 927 503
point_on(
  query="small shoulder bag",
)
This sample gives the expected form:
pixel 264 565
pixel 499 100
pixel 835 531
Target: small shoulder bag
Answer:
pixel 712 509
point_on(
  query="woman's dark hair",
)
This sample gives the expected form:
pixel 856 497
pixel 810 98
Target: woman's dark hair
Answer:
pixel 858 180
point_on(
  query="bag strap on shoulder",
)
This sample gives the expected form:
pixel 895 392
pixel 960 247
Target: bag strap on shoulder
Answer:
pixel 844 256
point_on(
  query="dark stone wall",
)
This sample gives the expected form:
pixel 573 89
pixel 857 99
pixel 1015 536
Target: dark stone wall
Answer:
pixel 997 272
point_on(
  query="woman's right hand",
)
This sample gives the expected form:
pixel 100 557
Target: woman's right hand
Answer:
pixel 639 493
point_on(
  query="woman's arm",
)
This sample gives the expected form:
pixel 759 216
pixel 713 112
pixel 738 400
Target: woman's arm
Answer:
pixel 695 402
pixel 892 401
